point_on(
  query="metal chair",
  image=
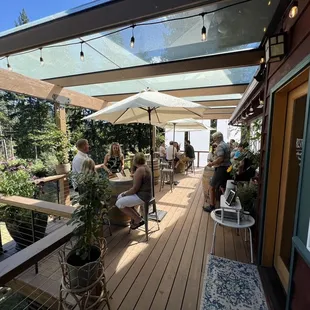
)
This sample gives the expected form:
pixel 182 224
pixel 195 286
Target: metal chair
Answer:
pixel 166 174
pixel 191 164
pixel 146 212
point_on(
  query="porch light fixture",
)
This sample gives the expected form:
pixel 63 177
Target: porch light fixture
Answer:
pixel 82 53
pixel 132 40
pixel 261 104
pixel 8 64
pixel 41 58
pixel 275 47
pixel 294 10
pixel 203 29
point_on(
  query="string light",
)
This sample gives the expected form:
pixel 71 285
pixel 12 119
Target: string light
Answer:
pixel 251 111
pixel 265 29
pixel 262 60
pixel 82 53
pixel 203 29
pixel 8 64
pixel 132 40
pixel 41 58
pixel 294 10
pixel 269 3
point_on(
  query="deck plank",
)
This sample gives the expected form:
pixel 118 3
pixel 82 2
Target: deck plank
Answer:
pixel 138 275
pixel 168 271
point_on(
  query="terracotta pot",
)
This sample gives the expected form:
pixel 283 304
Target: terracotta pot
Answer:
pixel 63 168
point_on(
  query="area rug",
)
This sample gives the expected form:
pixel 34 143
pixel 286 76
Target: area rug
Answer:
pixel 231 285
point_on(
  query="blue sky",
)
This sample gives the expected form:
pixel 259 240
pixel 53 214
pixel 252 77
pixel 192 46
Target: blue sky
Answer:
pixel 35 9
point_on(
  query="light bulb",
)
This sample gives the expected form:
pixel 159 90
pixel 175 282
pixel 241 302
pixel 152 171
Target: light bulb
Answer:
pixel 265 29
pixel 41 58
pixel 269 3
pixel 294 10
pixel 8 64
pixel 262 60
pixel 251 111
pixel 82 53
pixel 203 29
pixel 203 33
pixel 132 42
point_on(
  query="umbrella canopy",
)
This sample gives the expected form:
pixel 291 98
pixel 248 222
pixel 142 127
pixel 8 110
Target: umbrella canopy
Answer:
pixel 148 107
pixel 185 125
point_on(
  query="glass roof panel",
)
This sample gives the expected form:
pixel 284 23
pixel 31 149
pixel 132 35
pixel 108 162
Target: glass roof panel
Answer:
pixel 234 28
pixel 177 81
pixel 215 97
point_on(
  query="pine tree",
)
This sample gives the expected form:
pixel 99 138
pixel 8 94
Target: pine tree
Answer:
pixel 22 18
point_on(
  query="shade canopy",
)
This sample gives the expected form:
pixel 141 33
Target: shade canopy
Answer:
pixel 185 125
pixel 148 107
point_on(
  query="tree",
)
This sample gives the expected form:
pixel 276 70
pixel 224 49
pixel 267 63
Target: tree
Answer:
pixel 22 18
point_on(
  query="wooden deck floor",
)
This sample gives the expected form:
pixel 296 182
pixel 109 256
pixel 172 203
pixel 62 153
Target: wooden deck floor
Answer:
pixel 165 273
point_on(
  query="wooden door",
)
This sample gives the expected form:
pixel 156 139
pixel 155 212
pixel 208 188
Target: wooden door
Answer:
pixel 296 108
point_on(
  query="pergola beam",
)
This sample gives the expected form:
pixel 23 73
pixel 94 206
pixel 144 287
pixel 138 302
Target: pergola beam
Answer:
pixel 219 103
pixel 189 92
pixel 219 111
pixel 217 116
pixel 214 62
pixel 17 83
pixel 92 18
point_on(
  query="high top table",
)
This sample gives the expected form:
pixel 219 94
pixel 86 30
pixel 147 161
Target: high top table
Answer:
pixel 246 223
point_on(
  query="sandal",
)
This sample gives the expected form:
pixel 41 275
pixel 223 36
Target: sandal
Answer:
pixel 135 226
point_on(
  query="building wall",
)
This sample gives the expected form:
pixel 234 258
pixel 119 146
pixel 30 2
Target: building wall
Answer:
pixel 298 49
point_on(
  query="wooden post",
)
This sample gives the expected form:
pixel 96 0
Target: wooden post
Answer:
pixel 64 190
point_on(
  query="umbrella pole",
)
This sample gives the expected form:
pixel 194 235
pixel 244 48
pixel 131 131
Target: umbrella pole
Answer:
pixel 152 151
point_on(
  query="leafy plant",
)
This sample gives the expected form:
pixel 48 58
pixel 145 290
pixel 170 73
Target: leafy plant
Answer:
pixel 38 169
pixel 248 195
pixel 18 220
pixel 93 207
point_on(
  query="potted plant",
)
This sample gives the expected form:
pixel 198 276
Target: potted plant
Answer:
pixel 62 149
pixel 85 258
pixel 248 194
pixel 19 221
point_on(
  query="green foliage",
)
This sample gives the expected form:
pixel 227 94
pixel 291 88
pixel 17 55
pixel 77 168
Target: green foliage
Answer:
pixel 248 195
pixel 94 195
pixel 22 18
pixel 160 138
pixel 38 169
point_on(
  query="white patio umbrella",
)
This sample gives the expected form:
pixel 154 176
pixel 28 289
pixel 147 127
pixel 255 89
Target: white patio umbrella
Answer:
pixel 182 125
pixel 150 107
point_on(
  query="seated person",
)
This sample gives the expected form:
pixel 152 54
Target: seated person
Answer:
pixel 114 160
pixel 140 192
pixel 189 154
pixel 88 167
pixel 246 170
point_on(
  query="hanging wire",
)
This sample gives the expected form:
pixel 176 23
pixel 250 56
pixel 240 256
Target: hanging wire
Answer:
pixel 161 21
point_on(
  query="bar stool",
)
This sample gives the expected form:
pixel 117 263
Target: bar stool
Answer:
pixel 146 209
pixel 166 174
pixel 191 161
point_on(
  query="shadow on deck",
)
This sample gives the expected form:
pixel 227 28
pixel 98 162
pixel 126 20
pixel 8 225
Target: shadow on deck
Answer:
pixel 165 273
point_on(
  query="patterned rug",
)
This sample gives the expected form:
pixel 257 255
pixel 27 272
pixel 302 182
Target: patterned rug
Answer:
pixel 231 285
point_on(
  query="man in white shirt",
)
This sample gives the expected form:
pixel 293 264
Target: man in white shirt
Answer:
pixel 78 160
pixel 171 151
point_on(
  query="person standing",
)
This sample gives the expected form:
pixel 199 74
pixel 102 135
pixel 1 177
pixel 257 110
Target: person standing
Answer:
pixel 221 164
pixel 78 160
pixel 162 152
